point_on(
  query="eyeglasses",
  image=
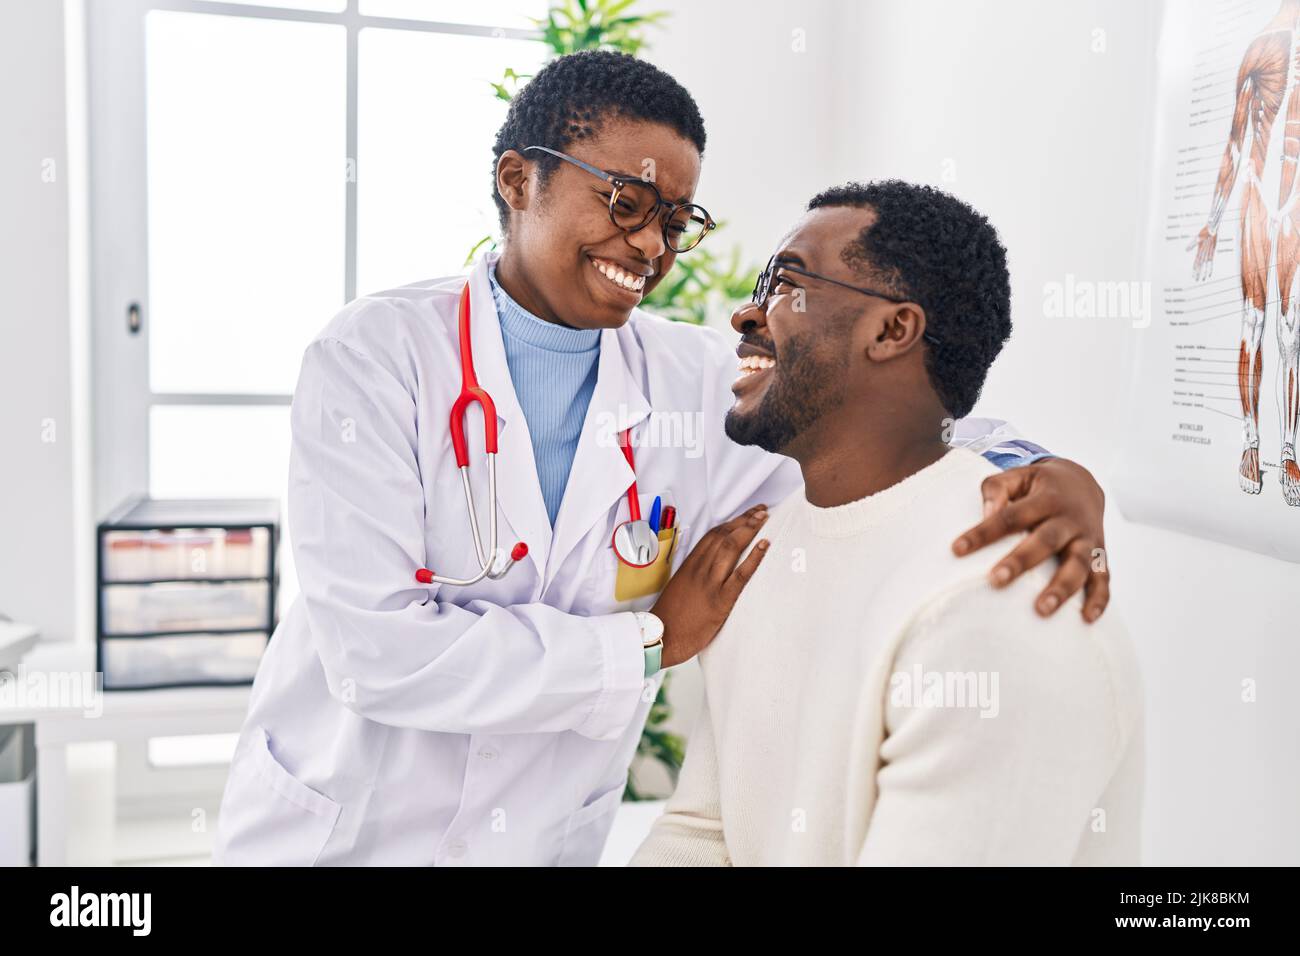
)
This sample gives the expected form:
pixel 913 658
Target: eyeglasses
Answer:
pixel 634 203
pixel 768 277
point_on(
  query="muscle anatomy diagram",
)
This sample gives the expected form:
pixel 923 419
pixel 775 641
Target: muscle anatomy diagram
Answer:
pixel 1212 384
pixel 1261 155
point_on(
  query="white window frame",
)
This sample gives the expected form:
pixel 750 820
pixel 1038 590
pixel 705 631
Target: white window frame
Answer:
pixel 115 51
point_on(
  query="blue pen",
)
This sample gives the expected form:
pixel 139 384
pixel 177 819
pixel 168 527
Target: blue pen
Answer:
pixel 654 515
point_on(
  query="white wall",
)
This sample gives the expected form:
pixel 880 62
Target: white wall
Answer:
pixel 765 105
pixel 43 555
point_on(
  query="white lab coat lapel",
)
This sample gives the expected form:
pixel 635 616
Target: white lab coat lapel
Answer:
pixel 519 494
pixel 600 476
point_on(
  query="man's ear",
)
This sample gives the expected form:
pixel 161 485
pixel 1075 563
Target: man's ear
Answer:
pixel 897 330
pixel 512 180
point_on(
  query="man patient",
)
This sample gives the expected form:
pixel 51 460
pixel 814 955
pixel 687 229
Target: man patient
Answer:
pixel 872 698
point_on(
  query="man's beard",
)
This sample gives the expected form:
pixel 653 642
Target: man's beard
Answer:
pixel 804 387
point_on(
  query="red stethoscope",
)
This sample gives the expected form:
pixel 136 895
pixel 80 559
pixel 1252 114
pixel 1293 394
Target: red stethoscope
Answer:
pixel 635 543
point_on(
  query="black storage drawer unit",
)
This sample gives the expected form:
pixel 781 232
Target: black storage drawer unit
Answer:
pixel 186 591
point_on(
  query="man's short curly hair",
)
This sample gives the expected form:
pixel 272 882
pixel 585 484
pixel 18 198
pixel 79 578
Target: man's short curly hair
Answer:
pixel 933 249
pixel 572 95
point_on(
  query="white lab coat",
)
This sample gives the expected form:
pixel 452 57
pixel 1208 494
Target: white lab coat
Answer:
pixel 393 723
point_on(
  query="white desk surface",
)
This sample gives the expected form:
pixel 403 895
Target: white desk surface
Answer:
pixel 67 657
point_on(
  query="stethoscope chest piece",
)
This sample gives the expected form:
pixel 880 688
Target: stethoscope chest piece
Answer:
pixel 636 544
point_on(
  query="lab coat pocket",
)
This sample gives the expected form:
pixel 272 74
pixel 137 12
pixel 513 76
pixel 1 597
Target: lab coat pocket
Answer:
pixel 585 833
pixel 269 816
pixel 631 583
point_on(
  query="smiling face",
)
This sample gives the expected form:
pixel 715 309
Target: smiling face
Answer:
pixel 800 356
pixel 565 259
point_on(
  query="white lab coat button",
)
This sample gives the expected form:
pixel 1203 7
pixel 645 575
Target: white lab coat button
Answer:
pixel 456 850
pixel 487 753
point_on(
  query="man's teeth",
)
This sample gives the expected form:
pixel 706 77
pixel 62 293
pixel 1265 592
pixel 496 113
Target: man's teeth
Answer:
pixel 613 273
pixel 750 364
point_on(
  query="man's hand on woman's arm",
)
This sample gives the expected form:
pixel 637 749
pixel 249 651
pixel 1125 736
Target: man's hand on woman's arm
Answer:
pixel 1061 505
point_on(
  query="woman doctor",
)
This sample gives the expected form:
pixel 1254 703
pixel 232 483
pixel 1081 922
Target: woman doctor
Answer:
pixel 397 723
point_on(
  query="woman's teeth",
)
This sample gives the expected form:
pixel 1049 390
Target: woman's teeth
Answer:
pixel 633 283
pixel 756 363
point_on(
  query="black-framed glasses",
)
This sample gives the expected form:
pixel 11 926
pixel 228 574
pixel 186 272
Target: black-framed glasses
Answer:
pixel 635 203
pixel 767 279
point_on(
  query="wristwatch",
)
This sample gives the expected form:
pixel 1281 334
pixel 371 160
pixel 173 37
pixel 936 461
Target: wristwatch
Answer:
pixel 652 640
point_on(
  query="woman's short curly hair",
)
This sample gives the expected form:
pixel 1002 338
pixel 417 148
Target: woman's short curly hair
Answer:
pixel 933 249
pixel 572 95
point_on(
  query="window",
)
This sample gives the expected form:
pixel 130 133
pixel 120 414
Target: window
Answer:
pixel 427 187
pixel 254 167
pixel 244 150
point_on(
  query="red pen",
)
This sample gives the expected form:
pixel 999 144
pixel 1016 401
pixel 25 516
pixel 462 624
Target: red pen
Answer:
pixel 667 518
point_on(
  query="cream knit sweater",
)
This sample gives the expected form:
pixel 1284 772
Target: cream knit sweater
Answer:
pixel 872 700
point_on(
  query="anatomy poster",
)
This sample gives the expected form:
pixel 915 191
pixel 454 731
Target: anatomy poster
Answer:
pixel 1216 391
